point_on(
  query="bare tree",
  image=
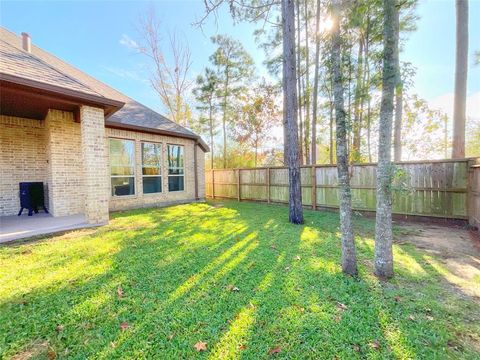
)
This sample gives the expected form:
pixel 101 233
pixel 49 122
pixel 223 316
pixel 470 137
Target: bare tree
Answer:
pixel 290 113
pixel 383 226
pixel 461 69
pixel 170 78
pixel 349 262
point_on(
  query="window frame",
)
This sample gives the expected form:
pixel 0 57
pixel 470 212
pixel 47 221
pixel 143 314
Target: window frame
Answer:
pixel 161 165
pixel 176 175
pixel 134 176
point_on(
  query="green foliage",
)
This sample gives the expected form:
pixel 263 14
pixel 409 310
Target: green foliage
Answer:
pixel 167 277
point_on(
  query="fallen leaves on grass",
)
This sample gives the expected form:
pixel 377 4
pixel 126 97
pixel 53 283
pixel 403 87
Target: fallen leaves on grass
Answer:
pixel 298 258
pixel 411 317
pixel 275 350
pixel 232 288
pixel 58 328
pixel 170 337
pixel 124 326
pixel 200 346
pixel 242 347
pixel 341 306
pixel 120 292
pixel 375 345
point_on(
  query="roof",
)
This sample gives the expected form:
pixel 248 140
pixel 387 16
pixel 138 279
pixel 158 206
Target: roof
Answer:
pixel 43 67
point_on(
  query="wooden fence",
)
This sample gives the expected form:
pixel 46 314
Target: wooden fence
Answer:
pixel 442 188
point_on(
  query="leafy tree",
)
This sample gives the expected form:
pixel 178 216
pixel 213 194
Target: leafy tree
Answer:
pixel 206 94
pixel 259 114
pixel 234 69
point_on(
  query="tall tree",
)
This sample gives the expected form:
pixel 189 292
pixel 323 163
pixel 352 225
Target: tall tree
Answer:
pixel 315 83
pixel 397 133
pixel 170 79
pixel 234 70
pixel 461 69
pixel 307 93
pixel 349 262
pixel 383 225
pixel 290 113
pixel 205 93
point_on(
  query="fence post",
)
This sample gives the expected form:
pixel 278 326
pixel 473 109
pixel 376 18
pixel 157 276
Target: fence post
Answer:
pixel 213 184
pixel 314 187
pixel 238 185
pixel 268 185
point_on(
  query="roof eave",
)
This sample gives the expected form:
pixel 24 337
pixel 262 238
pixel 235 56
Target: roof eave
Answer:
pixel 81 96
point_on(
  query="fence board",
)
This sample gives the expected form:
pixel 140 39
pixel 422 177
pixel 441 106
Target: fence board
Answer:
pixel 432 188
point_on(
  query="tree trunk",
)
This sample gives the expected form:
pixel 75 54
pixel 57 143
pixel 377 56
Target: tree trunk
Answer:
pixel 383 225
pixel 315 85
pixel 224 120
pixel 307 90
pixel 290 114
pixel 397 133
pixel 461 68
pixel 299 81
pixel 211 133
pixel 358 96
pixel 349 262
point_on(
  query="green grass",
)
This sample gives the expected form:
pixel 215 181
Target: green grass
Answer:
pixel 177 268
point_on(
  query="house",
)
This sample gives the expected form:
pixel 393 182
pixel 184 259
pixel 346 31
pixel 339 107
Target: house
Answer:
pixel 95 149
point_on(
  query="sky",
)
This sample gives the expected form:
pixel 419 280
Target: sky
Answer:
pixel 97 38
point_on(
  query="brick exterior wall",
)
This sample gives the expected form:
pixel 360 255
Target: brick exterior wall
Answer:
pixel 23 157
pixel 165 197
pixel 65 166
pixel 95 165
pixel 72 159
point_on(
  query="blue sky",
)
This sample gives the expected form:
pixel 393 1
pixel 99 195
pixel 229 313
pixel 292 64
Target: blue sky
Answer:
pixel 93 37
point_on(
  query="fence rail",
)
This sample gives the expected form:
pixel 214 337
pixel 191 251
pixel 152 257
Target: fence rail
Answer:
pixel 439 188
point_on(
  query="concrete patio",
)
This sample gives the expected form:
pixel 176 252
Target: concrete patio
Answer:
pixel 24 226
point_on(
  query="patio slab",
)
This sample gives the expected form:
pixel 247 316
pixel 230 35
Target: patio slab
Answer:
pixel 24 226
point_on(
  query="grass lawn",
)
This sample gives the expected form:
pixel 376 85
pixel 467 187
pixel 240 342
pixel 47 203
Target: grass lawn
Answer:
pixel 236 276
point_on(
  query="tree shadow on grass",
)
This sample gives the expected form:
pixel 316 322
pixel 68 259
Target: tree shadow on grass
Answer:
pixel 178 269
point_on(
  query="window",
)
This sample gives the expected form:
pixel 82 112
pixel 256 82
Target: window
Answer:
pixel 152 168
pixel 122 167
pixel 175 168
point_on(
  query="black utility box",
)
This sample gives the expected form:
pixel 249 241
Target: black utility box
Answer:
pixel 31 197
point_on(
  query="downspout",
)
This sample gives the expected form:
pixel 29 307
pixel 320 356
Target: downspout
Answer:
pixel 195 169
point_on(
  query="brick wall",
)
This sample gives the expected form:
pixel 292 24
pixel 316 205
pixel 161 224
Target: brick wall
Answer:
pixel 72 159
pixel 23 157
pixel 95 165
pixel 65 167
pixel 165 197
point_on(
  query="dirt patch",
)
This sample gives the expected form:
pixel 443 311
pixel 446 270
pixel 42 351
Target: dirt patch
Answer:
pixel 456 248
pixel 34 351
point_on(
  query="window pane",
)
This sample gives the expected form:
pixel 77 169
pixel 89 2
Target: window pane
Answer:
pixel 122 186
pixel 151 158
pixel 175 183
pixel 175 171
pixel 175 156
pixel 122 156
pixel 121 170
pixel 152 184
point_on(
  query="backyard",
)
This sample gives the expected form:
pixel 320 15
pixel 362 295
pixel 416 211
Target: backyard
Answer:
pixel 231 280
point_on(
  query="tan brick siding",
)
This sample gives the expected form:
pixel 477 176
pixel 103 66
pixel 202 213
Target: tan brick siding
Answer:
pixel 146 200
pixel 23 157
pixel 95 165
pixel 65 167
pixel 72 159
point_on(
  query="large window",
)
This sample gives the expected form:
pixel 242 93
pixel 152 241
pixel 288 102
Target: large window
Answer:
pixel 152 167
pixel 176 172
pixel 122 167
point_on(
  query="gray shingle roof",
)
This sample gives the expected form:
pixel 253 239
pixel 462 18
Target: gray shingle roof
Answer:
pixel 42 66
